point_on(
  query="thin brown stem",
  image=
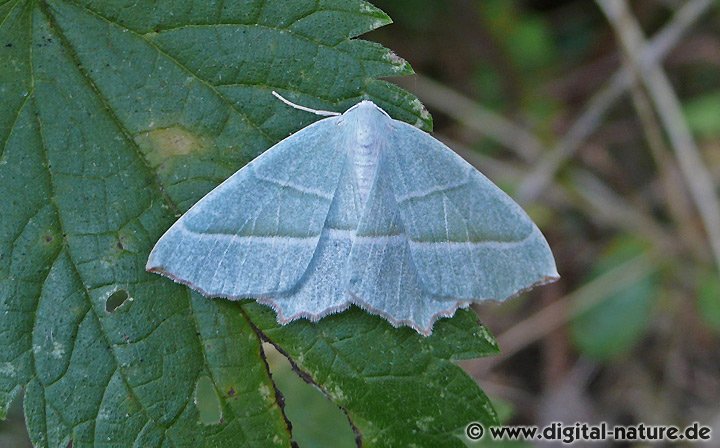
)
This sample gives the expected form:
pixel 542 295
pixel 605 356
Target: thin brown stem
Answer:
pixel 591 117
pixel 668 107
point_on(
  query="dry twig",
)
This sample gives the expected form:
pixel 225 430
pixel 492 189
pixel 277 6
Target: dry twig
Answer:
pixel 599 104
pixel 564 309
pixel 473 116
pixel 668 107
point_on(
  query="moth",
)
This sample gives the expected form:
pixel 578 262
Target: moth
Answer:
pixel 357 208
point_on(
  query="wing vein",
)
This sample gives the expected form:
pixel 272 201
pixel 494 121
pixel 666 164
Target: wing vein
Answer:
pixel 293 186
pixel 435 189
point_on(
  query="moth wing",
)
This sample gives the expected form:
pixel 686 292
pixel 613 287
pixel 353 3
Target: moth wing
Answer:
pixel 256 233
pixel 383 278
pixel 323 287
pixel 467 238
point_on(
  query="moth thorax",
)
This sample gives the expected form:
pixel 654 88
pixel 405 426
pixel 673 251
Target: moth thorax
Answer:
pixel 365 161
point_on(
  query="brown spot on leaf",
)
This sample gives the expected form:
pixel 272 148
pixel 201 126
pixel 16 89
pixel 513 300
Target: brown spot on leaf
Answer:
pixel 160 145
pixel 48 237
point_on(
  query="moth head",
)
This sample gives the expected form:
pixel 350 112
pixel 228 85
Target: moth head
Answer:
pixel 368 121
pixel 365 108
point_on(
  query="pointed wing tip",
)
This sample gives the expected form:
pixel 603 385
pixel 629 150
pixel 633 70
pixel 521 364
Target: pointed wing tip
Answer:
pixel 544 280
pixel 158 269
pixel 151 267
pixel 547 279
pixel 152 264
pixel 551 278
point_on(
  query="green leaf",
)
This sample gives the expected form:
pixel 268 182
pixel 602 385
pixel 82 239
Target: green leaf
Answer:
pixel 708 298
pixel 612 325
pixel 382 376
pixel 703 114
pixel 526 37
pixel 310 412
pixel 116 117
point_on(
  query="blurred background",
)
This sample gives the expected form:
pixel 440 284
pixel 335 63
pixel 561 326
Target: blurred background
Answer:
pixel 603 120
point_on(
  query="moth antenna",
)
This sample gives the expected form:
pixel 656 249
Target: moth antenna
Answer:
pixel 323 113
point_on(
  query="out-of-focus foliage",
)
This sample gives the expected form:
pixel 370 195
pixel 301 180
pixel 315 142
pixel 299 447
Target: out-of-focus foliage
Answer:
pixel 613 324
pixel 312 413
pixel 703 114
pixel 709 299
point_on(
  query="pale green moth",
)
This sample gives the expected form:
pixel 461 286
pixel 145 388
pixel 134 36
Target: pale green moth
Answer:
pixel 357 208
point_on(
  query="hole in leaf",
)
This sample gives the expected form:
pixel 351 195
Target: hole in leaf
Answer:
pixel 207 402
pixel 116 299
pixel 308 409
